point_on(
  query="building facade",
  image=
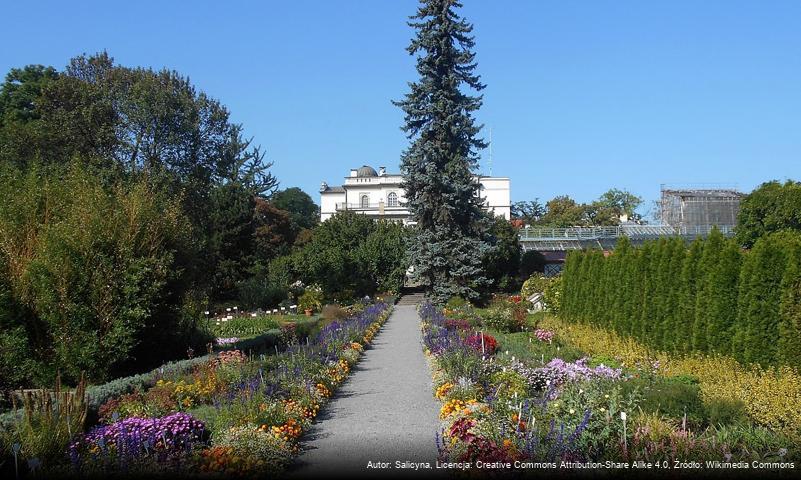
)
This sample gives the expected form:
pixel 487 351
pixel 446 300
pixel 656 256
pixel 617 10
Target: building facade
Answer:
pixel 379 194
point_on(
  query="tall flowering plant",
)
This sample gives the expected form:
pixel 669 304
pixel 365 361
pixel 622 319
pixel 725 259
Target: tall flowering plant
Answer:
pixel 135 438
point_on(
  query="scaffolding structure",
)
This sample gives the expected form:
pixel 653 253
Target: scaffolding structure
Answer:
pixel 703 206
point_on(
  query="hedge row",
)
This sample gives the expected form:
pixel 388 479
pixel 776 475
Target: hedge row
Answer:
pixel 709 297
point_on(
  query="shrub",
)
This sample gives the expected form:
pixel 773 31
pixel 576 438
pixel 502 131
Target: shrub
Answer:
pixel 312 299
pixel 553 296
pixel 455 303
pixel 259 291
pixel 536 283
pixel 101 270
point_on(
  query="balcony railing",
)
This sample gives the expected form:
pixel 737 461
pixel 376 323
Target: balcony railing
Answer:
pixel 633 231
pixel 364 207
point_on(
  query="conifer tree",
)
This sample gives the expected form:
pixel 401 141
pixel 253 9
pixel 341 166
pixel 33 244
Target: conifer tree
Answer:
pixel 687 295
pixel 661 294
pixel 706 271
pixel 583 286
pixel 744 293
pixel 632 297
pixel 648 265
pixel 623 258
pixel 438 166
pixel 722 303
pixel 760 315
pixel 789 344
pixel 569 284
pixel 670 331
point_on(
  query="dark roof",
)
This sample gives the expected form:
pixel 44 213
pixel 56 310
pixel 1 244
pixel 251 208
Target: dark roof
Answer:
pixel 337 189
pixel 366 171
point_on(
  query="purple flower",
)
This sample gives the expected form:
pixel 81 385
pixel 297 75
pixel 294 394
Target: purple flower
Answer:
pixel 134 437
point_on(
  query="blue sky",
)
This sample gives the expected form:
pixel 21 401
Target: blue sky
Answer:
pixel 582 96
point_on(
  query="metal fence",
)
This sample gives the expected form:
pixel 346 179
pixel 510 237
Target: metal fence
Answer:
pixel 632 231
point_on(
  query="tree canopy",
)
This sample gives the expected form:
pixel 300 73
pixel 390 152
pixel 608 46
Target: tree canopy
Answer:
pixel 771 207
pixel 303 212
pixel 564 211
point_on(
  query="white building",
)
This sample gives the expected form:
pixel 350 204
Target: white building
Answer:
pixel 379 194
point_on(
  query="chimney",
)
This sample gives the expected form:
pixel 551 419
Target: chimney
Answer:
pixel 353 172
pixel 323 187
pixel 382 171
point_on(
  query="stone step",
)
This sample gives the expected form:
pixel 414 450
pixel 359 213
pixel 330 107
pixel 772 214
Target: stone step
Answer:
pixel 411 299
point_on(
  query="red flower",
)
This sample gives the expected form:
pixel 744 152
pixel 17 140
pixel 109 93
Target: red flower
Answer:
pixel 489 343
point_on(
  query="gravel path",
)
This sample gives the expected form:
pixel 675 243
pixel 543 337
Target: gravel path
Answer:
pixel 384 412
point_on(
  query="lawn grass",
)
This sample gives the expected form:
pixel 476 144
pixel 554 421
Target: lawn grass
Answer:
pixel 244 327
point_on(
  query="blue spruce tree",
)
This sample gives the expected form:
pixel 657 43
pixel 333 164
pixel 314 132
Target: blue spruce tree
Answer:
pixel 441 188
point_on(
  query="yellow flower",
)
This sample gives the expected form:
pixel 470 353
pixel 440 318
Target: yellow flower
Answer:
pixel 442 390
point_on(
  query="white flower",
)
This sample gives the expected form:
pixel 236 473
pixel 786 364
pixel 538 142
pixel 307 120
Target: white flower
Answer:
pixel 623 416
pixel 572 411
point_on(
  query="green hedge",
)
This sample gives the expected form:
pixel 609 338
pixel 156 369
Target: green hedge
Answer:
pixel 709 297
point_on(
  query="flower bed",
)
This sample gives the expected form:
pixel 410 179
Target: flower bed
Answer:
pixel 498 407
pixel 231 414
pixel 771 397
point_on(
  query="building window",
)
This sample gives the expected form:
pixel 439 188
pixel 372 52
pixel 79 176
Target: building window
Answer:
pixel 365 201
pixel 392 199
